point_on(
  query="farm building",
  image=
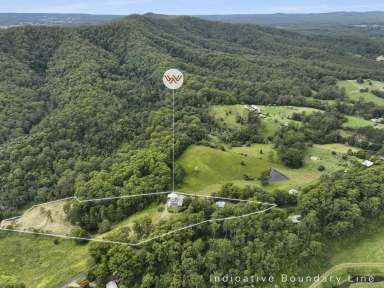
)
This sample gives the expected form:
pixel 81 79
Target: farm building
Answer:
pixel 220 204
pixel 367 163
pixel 175 200
pixel 252 108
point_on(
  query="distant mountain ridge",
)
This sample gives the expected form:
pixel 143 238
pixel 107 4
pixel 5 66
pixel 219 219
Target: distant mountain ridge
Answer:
pixel 20 19
pixel 276 20
pixel 281 19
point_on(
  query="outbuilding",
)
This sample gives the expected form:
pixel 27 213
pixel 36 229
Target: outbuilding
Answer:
pixel 220 204
pixel 367 163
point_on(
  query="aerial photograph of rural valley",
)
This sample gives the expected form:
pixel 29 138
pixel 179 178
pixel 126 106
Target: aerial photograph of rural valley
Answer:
pixel 191 144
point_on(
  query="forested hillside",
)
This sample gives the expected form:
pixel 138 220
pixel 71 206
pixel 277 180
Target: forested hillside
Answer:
pixel 72 97
pixel 84 112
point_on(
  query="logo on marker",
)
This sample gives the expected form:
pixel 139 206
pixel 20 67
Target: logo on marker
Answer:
pixel 173 79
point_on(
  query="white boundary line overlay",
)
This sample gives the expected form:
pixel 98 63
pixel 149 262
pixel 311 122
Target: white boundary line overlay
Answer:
pixel 270 207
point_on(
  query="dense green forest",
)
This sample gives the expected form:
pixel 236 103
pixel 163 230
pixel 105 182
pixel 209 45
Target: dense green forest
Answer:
pixel 84 112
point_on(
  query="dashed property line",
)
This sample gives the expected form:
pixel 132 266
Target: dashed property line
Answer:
pixel 271 206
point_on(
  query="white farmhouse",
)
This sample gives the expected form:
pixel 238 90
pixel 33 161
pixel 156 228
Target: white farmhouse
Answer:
pixel 175 200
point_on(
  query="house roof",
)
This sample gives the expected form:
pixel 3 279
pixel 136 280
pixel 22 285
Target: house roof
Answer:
pixel 367 163
pixel 220 204
pixel 173 195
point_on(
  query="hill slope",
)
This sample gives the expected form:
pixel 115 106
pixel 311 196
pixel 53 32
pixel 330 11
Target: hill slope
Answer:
pixel 87 91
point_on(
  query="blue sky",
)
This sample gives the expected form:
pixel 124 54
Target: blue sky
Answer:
pixel 188 7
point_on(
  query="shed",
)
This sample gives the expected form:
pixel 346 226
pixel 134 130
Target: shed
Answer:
pixel 367 163
pixel 220 204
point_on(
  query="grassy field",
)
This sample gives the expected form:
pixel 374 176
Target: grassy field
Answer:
pixel 361 254
pixel 152 212
pixel 370 285
pixel 208 169
pixel 225 116
pixel 343 273
pixel 353 91
pixel 368 247
pixel 48 217
pixel 38 262
pixel 356 122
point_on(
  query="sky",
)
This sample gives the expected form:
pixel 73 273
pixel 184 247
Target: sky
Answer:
pixel 188 7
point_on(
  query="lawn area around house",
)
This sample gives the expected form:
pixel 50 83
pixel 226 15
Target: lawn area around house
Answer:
pixel 37 262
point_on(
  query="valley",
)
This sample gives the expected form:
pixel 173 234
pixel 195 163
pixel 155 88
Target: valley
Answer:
pixel 266 122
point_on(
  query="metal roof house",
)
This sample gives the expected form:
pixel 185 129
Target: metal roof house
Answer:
pixel 220 204
pixel 175 200
pixel 367 163
pixel 252 108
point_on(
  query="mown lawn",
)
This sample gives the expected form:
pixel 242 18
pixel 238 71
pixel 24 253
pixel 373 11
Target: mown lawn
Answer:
pixel 37 262
pixel 353 91
pixel 207 169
